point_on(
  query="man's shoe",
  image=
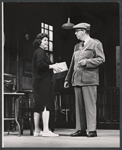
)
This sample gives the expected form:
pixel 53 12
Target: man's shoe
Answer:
pixel 92 134
pixel 79 133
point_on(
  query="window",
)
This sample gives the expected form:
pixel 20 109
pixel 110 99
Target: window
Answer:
pixel 48 29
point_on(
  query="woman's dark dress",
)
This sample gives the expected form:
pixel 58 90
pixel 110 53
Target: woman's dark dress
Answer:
pixel 42 81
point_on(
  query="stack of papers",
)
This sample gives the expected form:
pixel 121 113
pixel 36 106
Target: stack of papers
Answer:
pixel 63 72
pixel 63 66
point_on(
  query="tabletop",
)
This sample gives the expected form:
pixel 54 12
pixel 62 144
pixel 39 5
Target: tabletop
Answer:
pixel 14 93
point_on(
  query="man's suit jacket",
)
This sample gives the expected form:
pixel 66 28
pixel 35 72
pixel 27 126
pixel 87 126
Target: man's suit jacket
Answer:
pixel 88 74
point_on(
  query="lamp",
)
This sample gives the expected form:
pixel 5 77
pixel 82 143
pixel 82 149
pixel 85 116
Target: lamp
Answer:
pixel 68 25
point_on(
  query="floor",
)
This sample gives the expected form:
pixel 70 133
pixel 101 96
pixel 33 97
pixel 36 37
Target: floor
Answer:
pixel 105 139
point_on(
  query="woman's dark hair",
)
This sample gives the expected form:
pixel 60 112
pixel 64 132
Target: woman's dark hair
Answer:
pixel 38 39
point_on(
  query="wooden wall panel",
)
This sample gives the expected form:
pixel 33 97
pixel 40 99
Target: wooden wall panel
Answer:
pixel 117 66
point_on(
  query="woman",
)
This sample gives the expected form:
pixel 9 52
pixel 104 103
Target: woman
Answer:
pixel 42 85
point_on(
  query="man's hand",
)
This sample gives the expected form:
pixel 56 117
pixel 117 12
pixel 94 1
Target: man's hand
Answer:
pixel 82 62
pixel 66 84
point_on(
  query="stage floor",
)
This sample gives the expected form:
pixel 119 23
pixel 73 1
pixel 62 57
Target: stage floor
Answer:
pixel 105 139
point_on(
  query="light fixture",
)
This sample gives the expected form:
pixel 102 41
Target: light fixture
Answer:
pixel 68 25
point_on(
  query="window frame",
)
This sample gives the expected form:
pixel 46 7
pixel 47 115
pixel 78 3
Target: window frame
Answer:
pixel 48 29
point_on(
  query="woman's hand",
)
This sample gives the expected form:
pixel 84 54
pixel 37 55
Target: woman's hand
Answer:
pixel 66 84
pixel 55 68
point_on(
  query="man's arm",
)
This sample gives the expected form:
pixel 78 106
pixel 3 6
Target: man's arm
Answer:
pixel 98 60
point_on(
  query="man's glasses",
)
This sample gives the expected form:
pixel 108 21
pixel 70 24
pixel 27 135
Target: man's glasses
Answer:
pixel 78 30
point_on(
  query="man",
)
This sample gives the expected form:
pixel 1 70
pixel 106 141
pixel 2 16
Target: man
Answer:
pixel 83 74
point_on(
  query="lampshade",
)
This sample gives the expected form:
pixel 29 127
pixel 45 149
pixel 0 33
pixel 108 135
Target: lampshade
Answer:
pixel 68 25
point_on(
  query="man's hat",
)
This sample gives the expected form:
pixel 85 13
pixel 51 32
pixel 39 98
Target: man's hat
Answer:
pixel 82 26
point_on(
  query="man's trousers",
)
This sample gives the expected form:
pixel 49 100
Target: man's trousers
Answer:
pixel 85 104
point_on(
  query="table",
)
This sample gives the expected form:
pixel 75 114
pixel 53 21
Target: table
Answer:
pixel 16 107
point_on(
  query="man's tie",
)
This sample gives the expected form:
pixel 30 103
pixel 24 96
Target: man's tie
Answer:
pixel 82 43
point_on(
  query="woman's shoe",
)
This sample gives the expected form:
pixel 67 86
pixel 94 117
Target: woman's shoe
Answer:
pixel 37 134
pixel 49 133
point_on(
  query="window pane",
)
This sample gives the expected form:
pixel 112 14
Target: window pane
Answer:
pixel 50 46
pixel 51 58
pixel 46 31
pixel 42 24
pixel 46 26
pixel 50 27
pixel 42 30
pixel 51 35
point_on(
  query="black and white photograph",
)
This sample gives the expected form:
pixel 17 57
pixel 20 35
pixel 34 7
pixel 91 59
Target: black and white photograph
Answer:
pixel 61 74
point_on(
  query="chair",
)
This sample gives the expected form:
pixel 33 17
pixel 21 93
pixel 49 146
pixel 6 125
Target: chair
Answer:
pixel 59 106
pixel 26 111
